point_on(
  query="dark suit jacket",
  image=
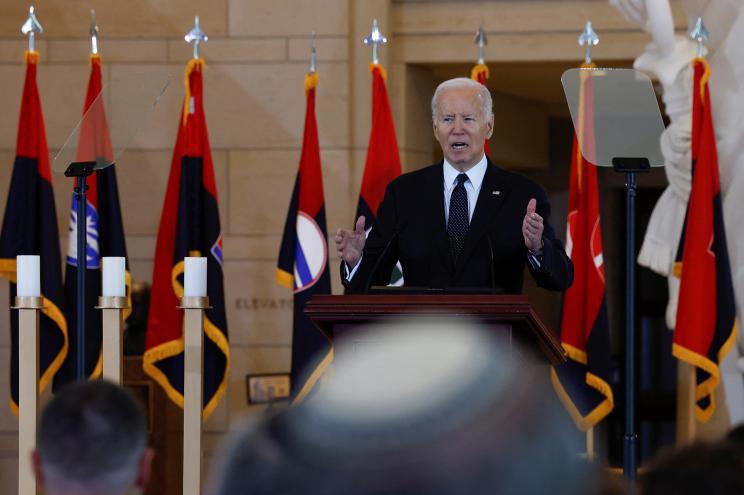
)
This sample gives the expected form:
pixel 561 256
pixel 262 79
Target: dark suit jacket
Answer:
pixel 412 216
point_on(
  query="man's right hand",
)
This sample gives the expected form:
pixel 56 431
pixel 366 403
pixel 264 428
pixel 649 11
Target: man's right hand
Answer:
pixel 350 243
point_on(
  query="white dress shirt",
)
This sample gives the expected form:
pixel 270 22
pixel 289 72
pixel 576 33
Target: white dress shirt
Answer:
pixel 472 185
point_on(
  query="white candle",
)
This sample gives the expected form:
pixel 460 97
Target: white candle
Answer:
pixel 28 278
pixel 195 277
pixel 114 281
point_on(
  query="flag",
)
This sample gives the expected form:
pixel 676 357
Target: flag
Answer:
pixel 189 226
pixel 30 227
pixel 706 314
pixel 583 382
pixel 480 73
pixel 383 160
pixel 105 233
pixel 303 255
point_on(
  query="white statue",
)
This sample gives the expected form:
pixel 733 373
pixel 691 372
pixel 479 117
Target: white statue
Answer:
pixel 668 57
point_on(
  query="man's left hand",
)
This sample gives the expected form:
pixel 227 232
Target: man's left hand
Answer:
pixel 532 227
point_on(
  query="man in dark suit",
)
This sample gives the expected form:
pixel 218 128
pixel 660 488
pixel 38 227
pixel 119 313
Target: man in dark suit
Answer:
pixel 460 223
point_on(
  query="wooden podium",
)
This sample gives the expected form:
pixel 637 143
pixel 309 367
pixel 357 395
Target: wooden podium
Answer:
pixel 511 317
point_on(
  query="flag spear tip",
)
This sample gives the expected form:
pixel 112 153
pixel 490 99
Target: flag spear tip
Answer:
pixel 700 34
pixel 313 55
pixel 31 27
pixel 196 36
pixel 375 39
pixel 93 32
pixel 481 40
pixel 588 39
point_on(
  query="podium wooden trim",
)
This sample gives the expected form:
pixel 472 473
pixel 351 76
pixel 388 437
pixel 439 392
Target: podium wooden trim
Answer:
pixel 330 313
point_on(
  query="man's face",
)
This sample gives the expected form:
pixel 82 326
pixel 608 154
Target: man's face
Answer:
pixel 460 126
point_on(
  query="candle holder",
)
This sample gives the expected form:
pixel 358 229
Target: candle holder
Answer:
pixel 193 308
pixel 28 386
pixel 112 327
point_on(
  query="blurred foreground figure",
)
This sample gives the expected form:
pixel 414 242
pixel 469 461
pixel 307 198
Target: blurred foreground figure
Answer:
pixel 92 440
pixel 415 408
pixel 715 469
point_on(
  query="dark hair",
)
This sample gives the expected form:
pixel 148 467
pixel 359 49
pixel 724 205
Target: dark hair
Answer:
pixel 92 435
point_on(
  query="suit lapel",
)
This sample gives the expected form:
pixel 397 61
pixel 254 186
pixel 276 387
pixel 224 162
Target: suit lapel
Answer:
pixel 490 200
pixel 435 195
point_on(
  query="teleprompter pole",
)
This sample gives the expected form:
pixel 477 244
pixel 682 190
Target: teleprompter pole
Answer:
pixel 630 166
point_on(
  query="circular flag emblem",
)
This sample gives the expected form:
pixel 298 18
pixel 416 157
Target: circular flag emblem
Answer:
pixel 311 254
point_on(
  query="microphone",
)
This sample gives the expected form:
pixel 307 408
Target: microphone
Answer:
pixel 493 273
pixel 401 225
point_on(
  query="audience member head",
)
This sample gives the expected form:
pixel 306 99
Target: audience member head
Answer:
pixel 415 408
pixel 92 439
pixel 713 469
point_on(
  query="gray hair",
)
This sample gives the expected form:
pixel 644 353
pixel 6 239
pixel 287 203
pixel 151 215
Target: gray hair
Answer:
pixel 92 437
pixel 464 83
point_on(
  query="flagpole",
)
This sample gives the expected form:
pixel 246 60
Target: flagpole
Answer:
pixel 590 444
pixel 691 382
pixel 700 34
pixel 589 39
pixel 194 303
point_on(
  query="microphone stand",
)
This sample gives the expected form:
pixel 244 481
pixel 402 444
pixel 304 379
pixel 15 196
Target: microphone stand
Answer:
pixel 384 252
pixel 493 273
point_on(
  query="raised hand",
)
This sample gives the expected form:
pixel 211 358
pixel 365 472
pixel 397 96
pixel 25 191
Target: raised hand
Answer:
pixel 350 243
pixel 532 227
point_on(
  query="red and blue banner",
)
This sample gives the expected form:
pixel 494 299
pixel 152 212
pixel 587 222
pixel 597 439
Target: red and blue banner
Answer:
pixel 706 312
pixel 303 255
pixel 30 228
pixel 189 226
pixel 105 232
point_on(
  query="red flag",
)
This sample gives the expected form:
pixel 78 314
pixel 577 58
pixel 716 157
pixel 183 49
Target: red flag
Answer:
pixel 480 73
pixel 706 313
pixel 30 227
pixel 303 255
pixel 189 226
pixel 383 160
pixel 582 382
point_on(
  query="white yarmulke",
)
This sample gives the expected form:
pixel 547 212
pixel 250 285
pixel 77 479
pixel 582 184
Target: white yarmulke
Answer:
pixel 402 383
pixel 397 371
